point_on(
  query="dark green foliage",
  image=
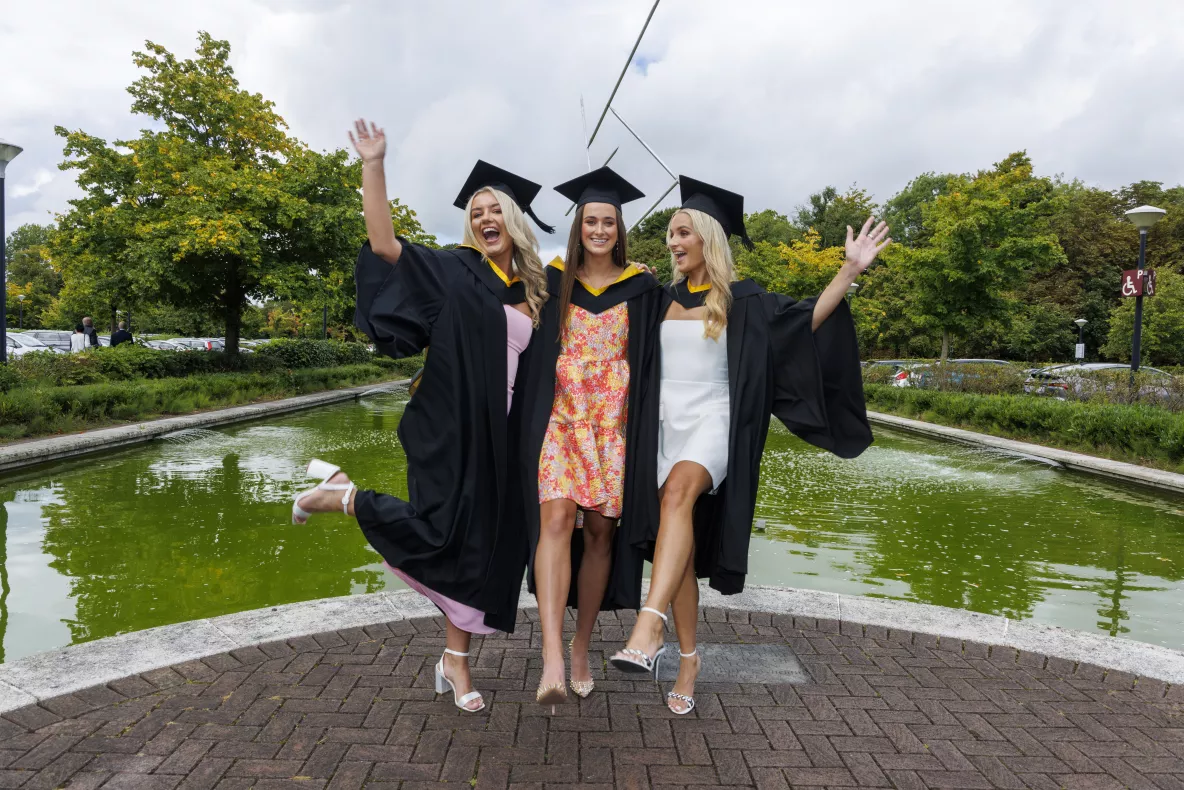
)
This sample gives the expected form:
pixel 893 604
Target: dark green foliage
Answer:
pixel 1140 433
pixel 37 410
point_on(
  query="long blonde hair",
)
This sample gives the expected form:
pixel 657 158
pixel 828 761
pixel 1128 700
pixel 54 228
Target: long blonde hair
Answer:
pixel 527 264
pixel 721 269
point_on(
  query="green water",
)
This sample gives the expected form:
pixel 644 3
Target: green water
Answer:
pixel 197 525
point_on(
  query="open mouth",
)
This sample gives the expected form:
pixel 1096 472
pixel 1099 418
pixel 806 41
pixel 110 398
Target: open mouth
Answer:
pixel 598 242
pixel 679 257
pixel 491 235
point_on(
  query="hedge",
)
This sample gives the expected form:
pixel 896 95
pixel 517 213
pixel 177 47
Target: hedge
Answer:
pixel 129 361
pixel 37 410
pixel 1134 432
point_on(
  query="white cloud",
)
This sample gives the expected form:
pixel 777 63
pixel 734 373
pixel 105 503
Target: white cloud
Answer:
pixel 773 99
pixel 40 179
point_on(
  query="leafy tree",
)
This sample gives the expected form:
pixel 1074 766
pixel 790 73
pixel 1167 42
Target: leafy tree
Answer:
pixel 904 211
pixel 829 213
pixel 1162 341
pixel 772 227
pixel 987 235
pixel 214 206
pixel 31 274
pixel 407 225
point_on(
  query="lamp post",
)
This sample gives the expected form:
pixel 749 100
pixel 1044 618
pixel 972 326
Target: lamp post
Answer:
pixel 20 301
pixel 8 152
pixel 1142 218
pixel 1081 322
pixel 852 289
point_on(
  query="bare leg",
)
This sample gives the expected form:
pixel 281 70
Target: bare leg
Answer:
pixel 676 537
pixel 686 621
pixel 595 567
pixel 456 669
pixel 320 501
pixel 552 579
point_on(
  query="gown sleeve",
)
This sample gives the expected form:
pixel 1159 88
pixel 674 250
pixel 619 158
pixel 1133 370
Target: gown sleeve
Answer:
pixel 398 303
pixel 817 380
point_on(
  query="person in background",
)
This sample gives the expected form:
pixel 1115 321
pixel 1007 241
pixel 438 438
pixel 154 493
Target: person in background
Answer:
pixel 88 329
pixel 78 341
pixel 121 335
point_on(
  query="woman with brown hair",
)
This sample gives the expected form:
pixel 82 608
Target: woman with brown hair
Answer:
pixel 578 403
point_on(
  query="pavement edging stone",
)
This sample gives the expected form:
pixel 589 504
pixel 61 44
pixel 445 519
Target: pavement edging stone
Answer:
pixel 57 672
pixel 1080 462
pixel 55 448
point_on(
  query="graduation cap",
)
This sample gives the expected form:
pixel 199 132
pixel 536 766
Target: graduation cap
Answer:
pixel 726 208
pixel 602 185
pixel 520 190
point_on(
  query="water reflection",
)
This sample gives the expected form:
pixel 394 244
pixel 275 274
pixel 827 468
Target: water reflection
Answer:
pixel 197 526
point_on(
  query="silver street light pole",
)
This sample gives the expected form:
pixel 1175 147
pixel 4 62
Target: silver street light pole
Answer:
pixel 8 152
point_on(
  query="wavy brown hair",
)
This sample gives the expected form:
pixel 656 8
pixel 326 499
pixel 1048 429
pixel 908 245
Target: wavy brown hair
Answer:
pixel 575 258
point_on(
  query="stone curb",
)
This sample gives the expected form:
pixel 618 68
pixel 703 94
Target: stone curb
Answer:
pixel 53 673
pixel 1116 470
pixel 56 448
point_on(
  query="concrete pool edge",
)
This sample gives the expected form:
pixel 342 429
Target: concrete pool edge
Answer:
pixel 1080 462
pixel 53 673
pixel 56 448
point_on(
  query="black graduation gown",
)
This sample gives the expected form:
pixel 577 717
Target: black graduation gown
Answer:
pixel 810 380
pixel 460 532
pixel 642 295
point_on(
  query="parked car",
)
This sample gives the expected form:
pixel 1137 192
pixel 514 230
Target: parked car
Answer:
pixel 922 375
pixel 19 344
pixel 162 345
pixel 1059 381
pixel 56 339
pixel 902 375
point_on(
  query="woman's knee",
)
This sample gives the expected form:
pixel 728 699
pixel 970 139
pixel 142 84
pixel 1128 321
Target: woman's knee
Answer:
pixel 557 523
pixel 598 538
pixel 681 492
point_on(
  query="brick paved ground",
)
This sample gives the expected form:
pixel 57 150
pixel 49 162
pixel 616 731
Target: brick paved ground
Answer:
pixel 355 708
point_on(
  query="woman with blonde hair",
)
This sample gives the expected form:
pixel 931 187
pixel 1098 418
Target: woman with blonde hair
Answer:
pixel 458 537
pixel 731 355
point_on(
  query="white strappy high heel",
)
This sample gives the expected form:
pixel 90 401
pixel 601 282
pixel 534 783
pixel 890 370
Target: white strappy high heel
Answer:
pixel 690 701
pixel 323 470
pixel 443 684
pixel 630 659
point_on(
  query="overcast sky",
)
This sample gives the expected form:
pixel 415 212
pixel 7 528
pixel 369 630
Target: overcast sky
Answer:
pixel 771 98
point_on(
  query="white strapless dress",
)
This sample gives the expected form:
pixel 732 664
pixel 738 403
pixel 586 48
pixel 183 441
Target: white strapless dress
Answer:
pixel 694 410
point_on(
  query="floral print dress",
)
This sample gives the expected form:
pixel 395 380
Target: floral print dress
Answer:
pixel 583 456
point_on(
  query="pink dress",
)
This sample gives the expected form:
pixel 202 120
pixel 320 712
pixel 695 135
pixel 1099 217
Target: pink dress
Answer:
pixel 466 618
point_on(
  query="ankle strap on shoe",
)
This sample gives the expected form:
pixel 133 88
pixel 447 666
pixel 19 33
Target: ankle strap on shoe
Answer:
pixel 690 654
pixel 454 653
pixel 651 610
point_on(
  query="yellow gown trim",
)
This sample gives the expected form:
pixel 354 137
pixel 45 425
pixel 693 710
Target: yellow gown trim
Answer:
pixel 696 289
pixel 557 262
pixel 496 269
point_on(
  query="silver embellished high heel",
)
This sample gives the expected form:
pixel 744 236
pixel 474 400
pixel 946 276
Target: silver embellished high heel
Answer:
pixel 690 701
pixel 325 471
pixel 630 659
pixel 443 684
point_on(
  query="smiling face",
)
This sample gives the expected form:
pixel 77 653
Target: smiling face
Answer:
pixel 685 244
pixel 489 226
pixel 598 230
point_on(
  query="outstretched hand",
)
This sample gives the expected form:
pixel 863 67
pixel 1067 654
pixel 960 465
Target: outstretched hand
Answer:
pixel 863 249
pixel 370 143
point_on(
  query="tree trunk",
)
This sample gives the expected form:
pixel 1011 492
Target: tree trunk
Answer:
pixel 234 308
pixel 945 344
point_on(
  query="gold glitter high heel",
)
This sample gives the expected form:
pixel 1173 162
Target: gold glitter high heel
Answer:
pixel 550 694
pixel 582 688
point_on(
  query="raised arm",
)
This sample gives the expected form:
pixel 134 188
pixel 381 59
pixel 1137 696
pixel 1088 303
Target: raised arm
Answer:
pixel 371 147
pixel 861 251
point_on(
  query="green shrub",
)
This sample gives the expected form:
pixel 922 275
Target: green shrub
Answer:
pixel 61 370
pixel 39 409
pixel 9 378
pixel 1136 431
pixel 315 353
